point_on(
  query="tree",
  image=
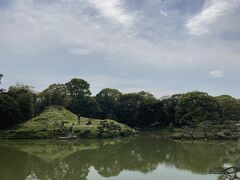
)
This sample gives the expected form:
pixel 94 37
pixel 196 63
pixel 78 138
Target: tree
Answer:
pixel 196 107
pixel 108 101
pixel 152 114
pixel 9 111
pixel 1 75
pixel 79 92
pixel 230 108
pixel 147 97
pixel 129 107
pixel 1 90
pixel 54 95
pixel 26 99
pixel 169 109
pixel 78 88
pixel 90 108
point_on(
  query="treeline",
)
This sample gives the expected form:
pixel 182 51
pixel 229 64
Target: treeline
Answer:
pixel 20 103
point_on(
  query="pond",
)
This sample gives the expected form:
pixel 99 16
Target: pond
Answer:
pixel 144 157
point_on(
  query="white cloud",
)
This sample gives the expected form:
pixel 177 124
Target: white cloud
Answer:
pixel 212 11
pixel 113 10
pixel 31 28
pixel 217 74
pixel 163 13
pixel 50 32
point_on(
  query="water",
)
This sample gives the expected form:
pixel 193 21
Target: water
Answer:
pixel 144 157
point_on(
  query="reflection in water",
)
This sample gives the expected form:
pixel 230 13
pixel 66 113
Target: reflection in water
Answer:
pixel 59 160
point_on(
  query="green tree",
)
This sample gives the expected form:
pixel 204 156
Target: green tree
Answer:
pixel 54 95
pixel 108 101
pixel 26 99
pixel 130 104
pixel 9 111
pixel 90 108
pixel 196 107
pixel 147 97
pixel 169 108
pixel 78 88
pixel 79 92
pixel 1 75
pixel 230 108
pixel 152 114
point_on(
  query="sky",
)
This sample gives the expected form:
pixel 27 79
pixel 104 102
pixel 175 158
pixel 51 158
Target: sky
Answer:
pixel 160 46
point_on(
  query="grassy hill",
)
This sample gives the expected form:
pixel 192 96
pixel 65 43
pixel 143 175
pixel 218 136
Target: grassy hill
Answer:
pixel 57 121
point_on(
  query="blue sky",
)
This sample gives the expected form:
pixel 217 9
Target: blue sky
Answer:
pixel 160 46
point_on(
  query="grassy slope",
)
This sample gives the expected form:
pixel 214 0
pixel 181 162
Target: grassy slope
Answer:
pixel 48 125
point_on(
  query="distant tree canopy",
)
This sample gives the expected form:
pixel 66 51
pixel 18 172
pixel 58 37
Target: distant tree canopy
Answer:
pixel 9 111
pixel 78 88
pixel 129 106
pixel 54 95
pixel 79 94
pixel 230 108
pixel 108 101
pixel 17 105
pixel 26 98
pixel 169 109
pixel 20 103
pixel 149 114
pixel 195 107
pixel 1 75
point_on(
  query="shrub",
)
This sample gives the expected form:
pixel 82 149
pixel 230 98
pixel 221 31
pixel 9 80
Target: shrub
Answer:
pixel 86 133
pixel 89 122
pixel 227 133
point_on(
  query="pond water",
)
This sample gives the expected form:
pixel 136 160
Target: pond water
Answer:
pixel 144 157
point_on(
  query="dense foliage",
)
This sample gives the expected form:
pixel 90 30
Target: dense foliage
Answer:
pixel 108 99
pixel 195 107
pixel 230 108
pixel 1 77
pixel 20 103
pixel 17 105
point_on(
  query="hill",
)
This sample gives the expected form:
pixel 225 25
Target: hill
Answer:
pixel 57 121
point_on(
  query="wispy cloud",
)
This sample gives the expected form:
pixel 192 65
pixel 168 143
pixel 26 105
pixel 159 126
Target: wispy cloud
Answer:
pixel 217 74
pixel 113 10
pixel 211 12
pixel 121 44
pixel 163 13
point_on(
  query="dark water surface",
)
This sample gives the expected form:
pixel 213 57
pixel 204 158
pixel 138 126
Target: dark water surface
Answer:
pixel 145 157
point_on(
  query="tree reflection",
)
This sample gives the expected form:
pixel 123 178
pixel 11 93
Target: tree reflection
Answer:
pixel 72 160
pixel 229 171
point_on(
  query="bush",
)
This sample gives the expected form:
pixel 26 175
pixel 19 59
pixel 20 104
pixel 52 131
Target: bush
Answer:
pixel 86 133
pixel 126 133
pixel 227 133
pixel 89 122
